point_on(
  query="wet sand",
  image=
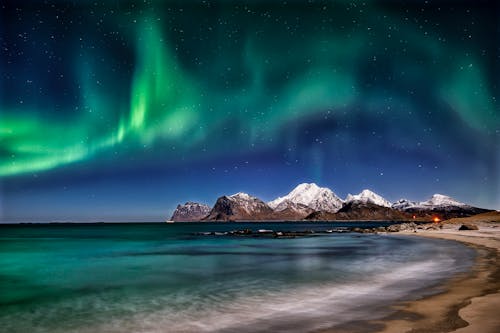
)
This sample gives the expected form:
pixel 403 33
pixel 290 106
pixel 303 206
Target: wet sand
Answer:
pixel 467 303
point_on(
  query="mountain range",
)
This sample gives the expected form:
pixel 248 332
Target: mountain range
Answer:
pixel 308 201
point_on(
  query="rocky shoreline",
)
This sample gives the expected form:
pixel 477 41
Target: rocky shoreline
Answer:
pixel 396 227
pixel 407 227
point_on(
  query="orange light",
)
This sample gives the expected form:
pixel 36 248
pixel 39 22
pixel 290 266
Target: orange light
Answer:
pixel 436 219
pixel 414 217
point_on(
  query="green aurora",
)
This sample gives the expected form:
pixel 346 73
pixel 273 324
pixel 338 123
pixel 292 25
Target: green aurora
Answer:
pixel 167 103
pixel 210 80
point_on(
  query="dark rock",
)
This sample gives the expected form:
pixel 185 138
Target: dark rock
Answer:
pixel 321 216
pixel 393 228
pixel 468 226
pixel 410 226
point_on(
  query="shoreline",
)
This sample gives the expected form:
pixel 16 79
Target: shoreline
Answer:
pixel 469 302
pixel 465 302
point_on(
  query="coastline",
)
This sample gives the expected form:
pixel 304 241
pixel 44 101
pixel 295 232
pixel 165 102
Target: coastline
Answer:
pixel 469 302
pixel 465 303
pixel 445 305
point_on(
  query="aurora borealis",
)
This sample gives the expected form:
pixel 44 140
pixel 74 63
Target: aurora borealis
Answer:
pixel 119 110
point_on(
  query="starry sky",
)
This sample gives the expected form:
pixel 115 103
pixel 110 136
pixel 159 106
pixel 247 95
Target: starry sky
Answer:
pixel 120 110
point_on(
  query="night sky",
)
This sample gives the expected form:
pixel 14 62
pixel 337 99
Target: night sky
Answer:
pixel 118 111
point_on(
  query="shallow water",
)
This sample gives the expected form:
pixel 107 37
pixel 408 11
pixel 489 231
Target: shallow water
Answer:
pixel 162 278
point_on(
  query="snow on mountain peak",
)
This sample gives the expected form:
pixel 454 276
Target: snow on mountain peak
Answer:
pixel 248 203
pixel 367 196
pixel 306 187
pixel 436 201
pixel 311 195
pixel 441 200
pixel 241 196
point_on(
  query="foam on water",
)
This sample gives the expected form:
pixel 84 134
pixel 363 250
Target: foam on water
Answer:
pixel 174 284
pixel 294 310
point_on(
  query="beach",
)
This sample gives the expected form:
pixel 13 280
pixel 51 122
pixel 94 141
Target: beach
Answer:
pixel 196 278
pixel 193 277
pixel 469 302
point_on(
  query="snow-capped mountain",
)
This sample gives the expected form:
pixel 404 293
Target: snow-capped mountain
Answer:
pixel 439 207
pixel 239 206
pixel 311 202
pixel 248 203
pixel 435 202
pixel 367 196
pixel 312 196
pixel 190 211
pixel 439 200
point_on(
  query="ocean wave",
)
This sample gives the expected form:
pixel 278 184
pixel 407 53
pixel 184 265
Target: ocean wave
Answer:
pixel 300 309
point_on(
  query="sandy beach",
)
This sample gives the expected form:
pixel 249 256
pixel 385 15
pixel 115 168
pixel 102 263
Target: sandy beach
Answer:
pixel 469 303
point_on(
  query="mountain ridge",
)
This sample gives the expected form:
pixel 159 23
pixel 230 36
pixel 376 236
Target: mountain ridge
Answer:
pixel 308 201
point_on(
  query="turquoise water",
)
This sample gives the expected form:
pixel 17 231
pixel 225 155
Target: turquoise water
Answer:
pixel 162 278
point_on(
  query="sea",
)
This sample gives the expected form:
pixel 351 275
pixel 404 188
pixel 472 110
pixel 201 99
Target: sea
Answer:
pixel 190 277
